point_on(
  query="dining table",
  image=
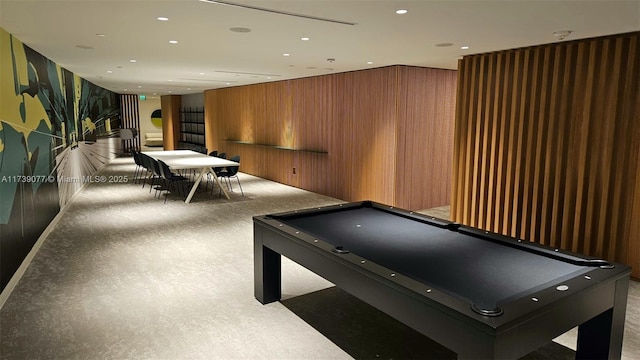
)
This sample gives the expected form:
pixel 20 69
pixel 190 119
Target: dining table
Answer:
pixel 188 159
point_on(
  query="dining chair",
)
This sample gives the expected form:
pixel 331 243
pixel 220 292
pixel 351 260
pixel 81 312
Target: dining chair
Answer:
pixel 171 180
pixel 138 170
pixel 231 172
pixel 146 162
pixel 157 175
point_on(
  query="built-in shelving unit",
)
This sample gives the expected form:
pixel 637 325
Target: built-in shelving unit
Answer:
pixel 192 129
pixel 276 146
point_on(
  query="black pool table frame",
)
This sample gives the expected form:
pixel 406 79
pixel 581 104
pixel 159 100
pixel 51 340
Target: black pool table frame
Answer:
pixel 598 308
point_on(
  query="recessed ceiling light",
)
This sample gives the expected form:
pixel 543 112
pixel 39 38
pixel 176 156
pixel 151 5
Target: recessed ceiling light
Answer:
pixel 464 47
pixel 304 38
pixel 162 18
pixel 370 62
pixel 286 54
pixel 240 29
pixel 109 72
pixel 444 44
pixel 132 60
pixel 173 41
pixel 101 35
pixel 401 11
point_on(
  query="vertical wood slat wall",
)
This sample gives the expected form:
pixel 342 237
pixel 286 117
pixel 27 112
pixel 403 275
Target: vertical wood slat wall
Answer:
pixel 130 117
pixel 547 145
pixel 381 134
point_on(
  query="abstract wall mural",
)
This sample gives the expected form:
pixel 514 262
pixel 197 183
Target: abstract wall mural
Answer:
pixel 55 132
pixel 156 118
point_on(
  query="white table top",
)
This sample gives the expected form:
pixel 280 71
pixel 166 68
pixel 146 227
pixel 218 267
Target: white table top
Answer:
pixel 188 159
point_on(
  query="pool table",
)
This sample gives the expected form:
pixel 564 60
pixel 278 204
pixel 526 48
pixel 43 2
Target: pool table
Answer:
pixel 481 294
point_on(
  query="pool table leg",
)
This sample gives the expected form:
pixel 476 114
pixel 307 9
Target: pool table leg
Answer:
pixel 601 337
pixel 266 273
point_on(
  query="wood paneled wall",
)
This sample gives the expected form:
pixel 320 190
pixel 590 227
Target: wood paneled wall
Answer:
pixel 170 105
pixel 383 134
pixel 547 145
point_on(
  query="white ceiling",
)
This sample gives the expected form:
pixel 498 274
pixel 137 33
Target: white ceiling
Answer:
pixel 208 55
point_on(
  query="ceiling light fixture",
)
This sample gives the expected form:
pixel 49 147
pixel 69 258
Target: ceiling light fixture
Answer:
pixel 304 39
pixel 245 73
pixel 401 11
pixel 464 47
pixel 162 18
pixel 370 62
pixel 562 34
pixel 240 29
pixel 132 61
pixel 173 41
pixel 286 54
pixel 101 35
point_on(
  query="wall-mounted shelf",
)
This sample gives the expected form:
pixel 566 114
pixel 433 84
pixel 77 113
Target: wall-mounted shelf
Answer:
pixel 276 147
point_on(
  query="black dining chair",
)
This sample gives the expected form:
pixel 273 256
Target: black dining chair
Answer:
pixel 138 170
pixel 171 180
pixel 147 164
pixel 231 172
pixel 156 178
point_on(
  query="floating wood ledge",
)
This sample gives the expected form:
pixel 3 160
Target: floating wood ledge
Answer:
pixel 276 146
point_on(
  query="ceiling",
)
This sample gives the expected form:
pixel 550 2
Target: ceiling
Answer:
pixel 97 39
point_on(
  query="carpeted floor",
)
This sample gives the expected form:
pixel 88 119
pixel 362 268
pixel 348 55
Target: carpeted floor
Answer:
pixel 124 276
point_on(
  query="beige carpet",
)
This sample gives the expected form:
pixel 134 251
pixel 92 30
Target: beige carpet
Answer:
pixel 124 276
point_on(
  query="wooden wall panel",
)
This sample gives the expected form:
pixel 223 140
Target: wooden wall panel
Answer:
pixel 368 140
pixel 424 137
pixel 312 110
pixel 343 127
pixel 547 142
pixel 170 105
